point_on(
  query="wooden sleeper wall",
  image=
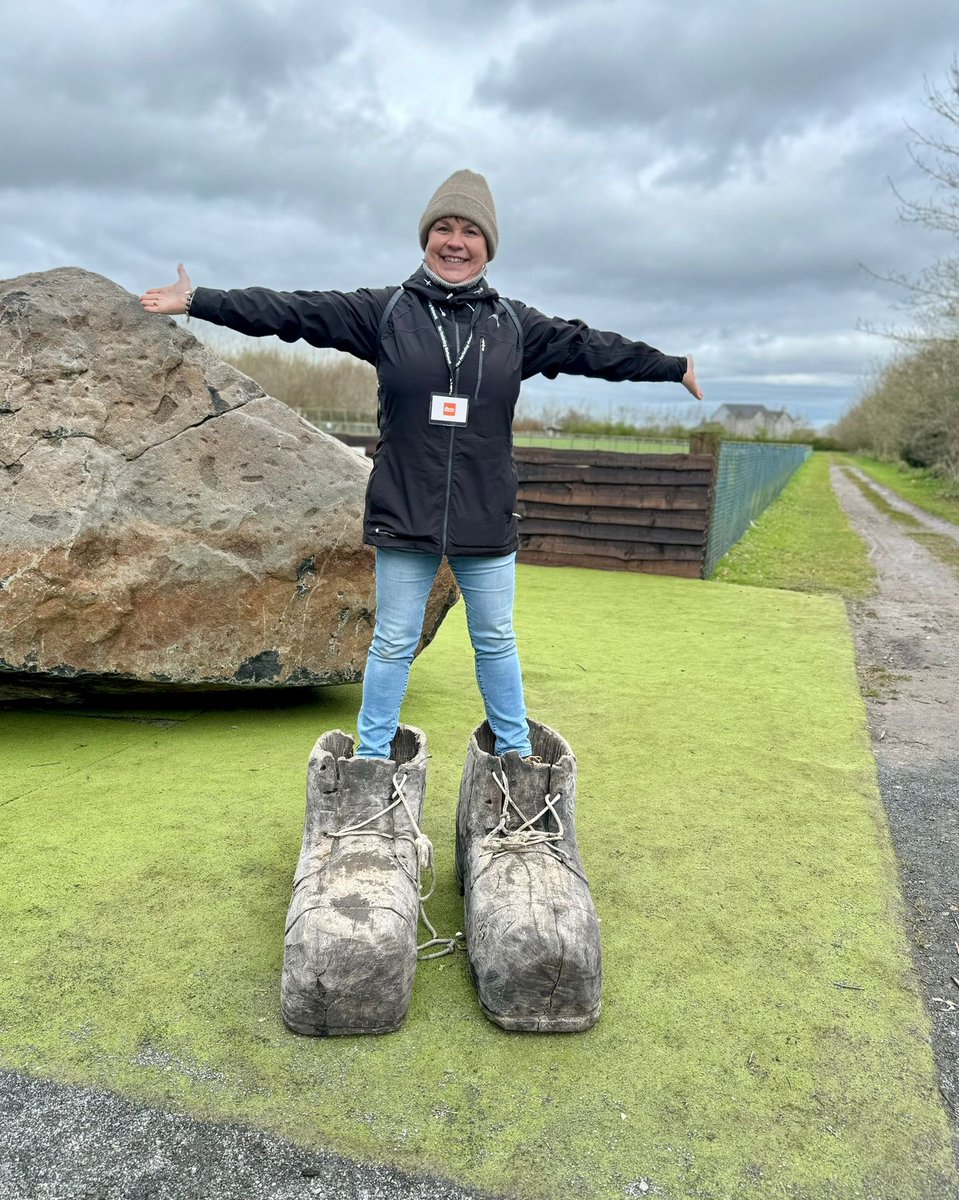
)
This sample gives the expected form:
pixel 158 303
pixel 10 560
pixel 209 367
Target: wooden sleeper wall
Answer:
pixel 615 511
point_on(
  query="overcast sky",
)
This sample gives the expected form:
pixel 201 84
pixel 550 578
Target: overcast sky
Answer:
pixel 708 177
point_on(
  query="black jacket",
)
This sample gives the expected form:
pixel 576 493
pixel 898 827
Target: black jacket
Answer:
pixel 441 488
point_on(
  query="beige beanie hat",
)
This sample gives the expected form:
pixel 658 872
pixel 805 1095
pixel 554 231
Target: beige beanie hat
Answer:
pixel 465 194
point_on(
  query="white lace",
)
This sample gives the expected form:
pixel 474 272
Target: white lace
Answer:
pixel 424 862
pixel 524 836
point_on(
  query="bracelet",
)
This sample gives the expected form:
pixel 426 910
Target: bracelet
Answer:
pixel 187 301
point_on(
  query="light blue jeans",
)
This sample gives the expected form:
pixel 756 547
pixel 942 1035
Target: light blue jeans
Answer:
pixel 403 582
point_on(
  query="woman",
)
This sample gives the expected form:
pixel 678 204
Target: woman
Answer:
pixel 450 356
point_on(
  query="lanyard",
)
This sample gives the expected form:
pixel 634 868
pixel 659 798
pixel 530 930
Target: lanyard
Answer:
pixel 453 367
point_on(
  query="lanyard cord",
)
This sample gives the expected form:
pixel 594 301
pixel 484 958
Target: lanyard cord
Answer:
pixel 453 367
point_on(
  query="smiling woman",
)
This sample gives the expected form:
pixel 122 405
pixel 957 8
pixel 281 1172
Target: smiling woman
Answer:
pixel 450 354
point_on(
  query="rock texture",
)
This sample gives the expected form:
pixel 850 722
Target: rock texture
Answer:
pixel 161 518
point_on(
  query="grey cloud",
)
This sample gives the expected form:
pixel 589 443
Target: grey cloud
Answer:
pixel 690 189
pixel 178 55
pixel 704 72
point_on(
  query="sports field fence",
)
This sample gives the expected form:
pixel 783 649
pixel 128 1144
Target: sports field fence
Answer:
pixel 748 478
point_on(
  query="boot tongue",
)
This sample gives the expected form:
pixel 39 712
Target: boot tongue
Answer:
pixel 528 782
pixel 365 790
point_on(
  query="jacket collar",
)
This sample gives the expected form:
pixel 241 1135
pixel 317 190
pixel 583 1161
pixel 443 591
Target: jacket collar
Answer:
pixel 420 283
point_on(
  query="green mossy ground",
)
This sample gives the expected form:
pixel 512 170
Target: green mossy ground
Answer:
pixel 761 1032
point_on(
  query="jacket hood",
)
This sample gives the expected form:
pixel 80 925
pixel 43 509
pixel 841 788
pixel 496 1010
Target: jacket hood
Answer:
pixel 420 283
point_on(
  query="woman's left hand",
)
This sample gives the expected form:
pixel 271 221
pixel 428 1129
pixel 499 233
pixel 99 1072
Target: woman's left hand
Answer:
pixel 689 379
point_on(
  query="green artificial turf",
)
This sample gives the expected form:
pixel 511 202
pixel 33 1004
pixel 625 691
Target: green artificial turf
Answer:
pixel 802 542
pixel 761 1032
pixel 934 494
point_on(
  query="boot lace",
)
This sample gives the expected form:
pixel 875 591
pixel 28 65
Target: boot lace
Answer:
pixel 524 836
pixel 424 861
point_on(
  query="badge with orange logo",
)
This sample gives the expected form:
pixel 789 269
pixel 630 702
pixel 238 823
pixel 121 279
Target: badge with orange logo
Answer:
pixel 448 410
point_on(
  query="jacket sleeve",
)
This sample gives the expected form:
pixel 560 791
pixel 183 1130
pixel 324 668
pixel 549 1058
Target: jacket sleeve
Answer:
pixel 342 320
pixel 552 346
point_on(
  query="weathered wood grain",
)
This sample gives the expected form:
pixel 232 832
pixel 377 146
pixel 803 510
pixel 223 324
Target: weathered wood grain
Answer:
pixel 597 532
pixel 614 511
pixel 545 454
pixel 596 562
pixel 350 946
pixel 621 476
pixel 532 932
pixel 598 514
pixel 621 551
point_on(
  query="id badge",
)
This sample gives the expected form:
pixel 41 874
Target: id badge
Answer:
pixel 448 410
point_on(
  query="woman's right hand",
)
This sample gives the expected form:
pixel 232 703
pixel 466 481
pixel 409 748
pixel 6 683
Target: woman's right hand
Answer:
pixel 169 300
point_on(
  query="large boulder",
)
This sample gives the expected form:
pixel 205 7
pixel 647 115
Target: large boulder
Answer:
pixel 161 518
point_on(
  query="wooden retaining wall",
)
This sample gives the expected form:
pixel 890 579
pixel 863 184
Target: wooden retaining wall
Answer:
pixel 618 512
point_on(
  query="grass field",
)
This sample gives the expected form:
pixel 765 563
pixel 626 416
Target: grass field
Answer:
pixel 761 1033
pixel 623 444
pixel 802 542
pixel 928 492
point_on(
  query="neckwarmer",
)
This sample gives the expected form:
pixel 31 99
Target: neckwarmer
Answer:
pixel 452 287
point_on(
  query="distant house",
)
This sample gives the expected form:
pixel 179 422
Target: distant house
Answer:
pixel 753 420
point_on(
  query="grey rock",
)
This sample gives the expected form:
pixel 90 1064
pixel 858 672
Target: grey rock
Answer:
pixel 162 519
pixel 532 933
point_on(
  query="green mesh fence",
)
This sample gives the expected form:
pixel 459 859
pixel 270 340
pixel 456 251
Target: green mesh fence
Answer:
pixel 749 477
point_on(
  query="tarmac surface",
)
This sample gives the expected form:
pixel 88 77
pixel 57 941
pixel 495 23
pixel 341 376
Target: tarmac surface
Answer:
pixel 78 1143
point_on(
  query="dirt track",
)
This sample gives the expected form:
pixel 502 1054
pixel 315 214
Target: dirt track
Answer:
pixel 907 643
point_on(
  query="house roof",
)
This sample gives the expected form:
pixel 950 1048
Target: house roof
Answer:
pixel 746 412
pixel 742 411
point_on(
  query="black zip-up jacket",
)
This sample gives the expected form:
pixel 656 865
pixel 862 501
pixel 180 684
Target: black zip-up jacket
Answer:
pixel 441 488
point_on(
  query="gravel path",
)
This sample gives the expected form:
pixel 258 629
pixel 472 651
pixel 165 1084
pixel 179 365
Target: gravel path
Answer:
pixel 907 643
pixel 76 1143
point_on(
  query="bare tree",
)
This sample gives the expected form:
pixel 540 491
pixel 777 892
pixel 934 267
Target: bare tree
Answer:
pixel 933 295
pixel 938 158
pixel 910 412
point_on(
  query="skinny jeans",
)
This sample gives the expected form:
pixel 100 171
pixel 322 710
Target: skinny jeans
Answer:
pixel 403 582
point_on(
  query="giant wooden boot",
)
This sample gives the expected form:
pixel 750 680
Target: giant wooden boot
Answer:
pixel 350 950
pixel 532 933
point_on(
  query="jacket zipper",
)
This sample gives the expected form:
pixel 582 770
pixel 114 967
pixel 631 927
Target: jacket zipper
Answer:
pixel 449 457
pixel 479 370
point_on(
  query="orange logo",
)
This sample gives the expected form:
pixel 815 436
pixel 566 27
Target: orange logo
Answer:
pixel 449 408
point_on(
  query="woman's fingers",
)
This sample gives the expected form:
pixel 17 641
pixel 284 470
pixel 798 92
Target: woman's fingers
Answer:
pixel 689 379
pixel 170 299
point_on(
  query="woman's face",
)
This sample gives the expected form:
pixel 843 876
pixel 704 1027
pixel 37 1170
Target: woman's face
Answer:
pixel 455 249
